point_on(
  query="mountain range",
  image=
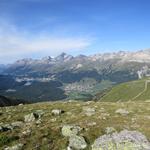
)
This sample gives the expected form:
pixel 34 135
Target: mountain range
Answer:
pixel 69 77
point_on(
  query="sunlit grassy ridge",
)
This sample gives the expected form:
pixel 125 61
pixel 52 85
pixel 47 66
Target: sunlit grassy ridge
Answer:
pixel 138 90
pixel 47 134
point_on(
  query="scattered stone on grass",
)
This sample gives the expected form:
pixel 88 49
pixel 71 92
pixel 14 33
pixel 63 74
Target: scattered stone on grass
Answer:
pixel 57 112
pixel 17 124
pixel 6 127
pixel 15 147
pixel 88 111
pixel 122 112
pixel 70 130
pixel 30 117
pixel 77 142
pixel 110 130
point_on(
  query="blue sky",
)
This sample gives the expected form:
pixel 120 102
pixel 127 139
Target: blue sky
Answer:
pixel 36 28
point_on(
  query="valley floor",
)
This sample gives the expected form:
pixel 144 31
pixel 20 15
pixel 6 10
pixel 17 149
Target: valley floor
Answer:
pixel 39 126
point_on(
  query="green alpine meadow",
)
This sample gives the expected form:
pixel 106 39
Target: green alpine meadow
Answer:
pixel 74 75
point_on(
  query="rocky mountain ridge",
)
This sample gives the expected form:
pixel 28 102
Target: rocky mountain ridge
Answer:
pixel 79 77
pixel 64 61
pixel 137 56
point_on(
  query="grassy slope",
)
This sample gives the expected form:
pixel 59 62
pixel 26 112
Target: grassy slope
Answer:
pixel 47 135
pixel 129 91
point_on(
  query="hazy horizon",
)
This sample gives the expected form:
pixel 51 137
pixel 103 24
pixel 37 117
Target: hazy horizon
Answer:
pixel 39 28
pixel 74 55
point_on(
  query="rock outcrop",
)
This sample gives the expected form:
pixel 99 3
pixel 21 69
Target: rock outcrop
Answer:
pixel 133 140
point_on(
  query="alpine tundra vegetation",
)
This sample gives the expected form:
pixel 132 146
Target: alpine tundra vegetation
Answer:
pixel 104 125
pixel 74 74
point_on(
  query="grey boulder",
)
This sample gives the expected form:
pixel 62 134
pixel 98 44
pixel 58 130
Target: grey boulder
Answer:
pixel 77 142
pixel 133 140
pixel 70 130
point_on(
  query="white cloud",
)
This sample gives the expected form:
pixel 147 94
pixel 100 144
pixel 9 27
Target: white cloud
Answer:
pixel 16 44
